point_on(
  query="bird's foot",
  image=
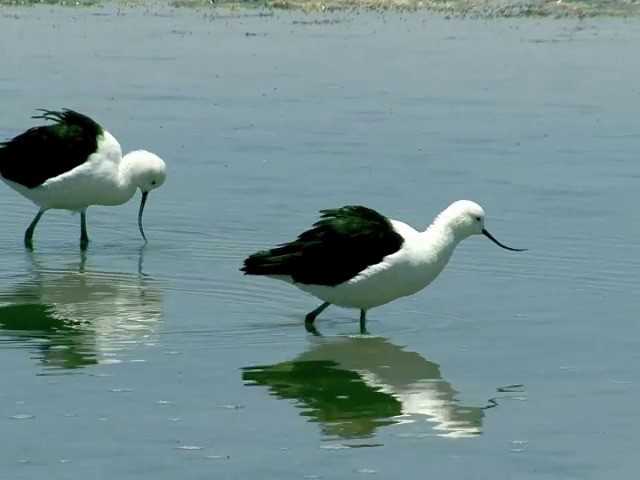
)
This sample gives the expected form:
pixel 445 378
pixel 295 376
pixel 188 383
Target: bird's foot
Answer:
pixel 309 323
pixel 311 328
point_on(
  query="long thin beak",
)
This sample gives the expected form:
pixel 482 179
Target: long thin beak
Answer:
pixel 491 237
pixel 142 202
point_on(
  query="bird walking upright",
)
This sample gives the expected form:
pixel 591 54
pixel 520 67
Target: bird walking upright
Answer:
pixel 74 163
pixel 355 257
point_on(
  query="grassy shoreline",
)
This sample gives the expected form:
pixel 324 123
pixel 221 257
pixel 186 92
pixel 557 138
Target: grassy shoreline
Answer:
pixel 482 9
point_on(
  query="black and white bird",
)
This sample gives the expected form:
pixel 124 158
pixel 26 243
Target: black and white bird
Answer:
pixel 355 257
pixel 74 163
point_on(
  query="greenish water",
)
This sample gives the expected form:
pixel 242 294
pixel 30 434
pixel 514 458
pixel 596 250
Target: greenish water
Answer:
pixel 165 362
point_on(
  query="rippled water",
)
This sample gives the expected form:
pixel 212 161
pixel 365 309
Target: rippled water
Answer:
pixel 165 362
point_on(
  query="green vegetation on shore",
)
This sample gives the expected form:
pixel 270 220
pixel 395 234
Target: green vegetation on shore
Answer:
pixel 453 8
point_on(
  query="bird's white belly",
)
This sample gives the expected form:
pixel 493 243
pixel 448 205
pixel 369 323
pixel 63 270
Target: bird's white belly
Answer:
pixel 377 285
pixel 75 190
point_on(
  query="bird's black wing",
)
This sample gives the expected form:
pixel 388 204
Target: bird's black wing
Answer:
pixel 340 245
pixel 47 151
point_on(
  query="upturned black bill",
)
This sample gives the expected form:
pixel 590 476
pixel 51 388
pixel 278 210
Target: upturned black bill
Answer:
pixel 492 238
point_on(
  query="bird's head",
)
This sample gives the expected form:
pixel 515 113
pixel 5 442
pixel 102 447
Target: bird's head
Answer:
pixel 149 173
pixel 466 218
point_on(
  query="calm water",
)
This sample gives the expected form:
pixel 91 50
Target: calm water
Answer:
pixel 167 363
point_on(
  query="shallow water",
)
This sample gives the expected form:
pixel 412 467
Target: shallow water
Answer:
pixel 165 362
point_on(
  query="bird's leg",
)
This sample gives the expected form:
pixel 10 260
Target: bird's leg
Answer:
pixel 84 237
pixel 363 322
pixel 28 235
pixel 83 261
pixel 311 316
pixel 311 328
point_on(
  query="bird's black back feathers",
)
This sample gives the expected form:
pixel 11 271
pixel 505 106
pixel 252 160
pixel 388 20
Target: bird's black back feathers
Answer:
pixel 46 151
pixel 340 245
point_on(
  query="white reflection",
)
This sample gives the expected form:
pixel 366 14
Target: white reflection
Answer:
pixel 75 317
pixel 355 385
pixel 415 382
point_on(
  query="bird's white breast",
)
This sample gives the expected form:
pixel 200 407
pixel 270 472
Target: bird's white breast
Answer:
pixel 405 272
pixel 95 182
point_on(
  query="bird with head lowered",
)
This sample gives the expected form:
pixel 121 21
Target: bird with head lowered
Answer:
pixel 74 163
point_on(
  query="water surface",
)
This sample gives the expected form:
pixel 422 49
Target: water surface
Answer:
pixel 165 362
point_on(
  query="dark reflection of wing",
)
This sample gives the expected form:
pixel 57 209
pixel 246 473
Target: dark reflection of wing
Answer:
pixel 338 399
pixel 352 386
pixel 73 318
pixel 58 342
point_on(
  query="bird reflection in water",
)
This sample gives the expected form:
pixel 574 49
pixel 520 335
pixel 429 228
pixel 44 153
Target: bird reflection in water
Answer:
pixel 352 386
pixel 71 317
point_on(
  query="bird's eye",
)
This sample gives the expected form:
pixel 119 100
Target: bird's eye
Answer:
pixel 478 218
pixel 154 182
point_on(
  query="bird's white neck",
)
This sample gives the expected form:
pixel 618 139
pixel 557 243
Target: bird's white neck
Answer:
pixel 441 238
pixel 437 243
pixel 447 226
pixel 128 175
pixel 124 179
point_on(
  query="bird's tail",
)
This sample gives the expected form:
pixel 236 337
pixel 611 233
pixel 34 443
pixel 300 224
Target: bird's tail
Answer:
pixel 269 262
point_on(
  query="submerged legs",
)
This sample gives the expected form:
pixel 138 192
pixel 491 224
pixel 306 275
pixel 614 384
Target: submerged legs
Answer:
pixel 84 237
pixel 311 316
pixel 363 322
pixel 28 235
